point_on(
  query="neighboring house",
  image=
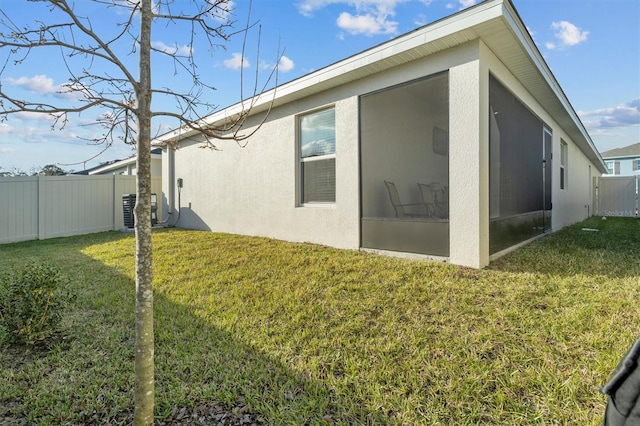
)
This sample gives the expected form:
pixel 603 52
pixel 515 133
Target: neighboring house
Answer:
pixel 126 166
pixel 438 142
pixel 623 161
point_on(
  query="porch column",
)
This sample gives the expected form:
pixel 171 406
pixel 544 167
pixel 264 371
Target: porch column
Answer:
pixel 469 165
pixel 168 182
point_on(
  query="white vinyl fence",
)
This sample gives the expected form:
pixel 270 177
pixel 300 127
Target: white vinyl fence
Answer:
pixel 616 196
pixel 41 207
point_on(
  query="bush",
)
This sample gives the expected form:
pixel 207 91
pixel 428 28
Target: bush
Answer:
pixel 32 301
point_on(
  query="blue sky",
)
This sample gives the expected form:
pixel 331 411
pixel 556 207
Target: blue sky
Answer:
pixel 592 47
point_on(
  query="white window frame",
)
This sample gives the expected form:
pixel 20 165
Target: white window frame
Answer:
pixel 564 165
pixel 302 160
pixel 610 166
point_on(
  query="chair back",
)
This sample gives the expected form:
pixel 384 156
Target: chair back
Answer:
pixel 427 193
pixel 395 198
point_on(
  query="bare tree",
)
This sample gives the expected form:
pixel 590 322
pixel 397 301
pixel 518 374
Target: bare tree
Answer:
pixel 102 76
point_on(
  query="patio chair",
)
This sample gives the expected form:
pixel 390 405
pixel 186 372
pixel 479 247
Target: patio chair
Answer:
pixel 399 207
pixel 436 199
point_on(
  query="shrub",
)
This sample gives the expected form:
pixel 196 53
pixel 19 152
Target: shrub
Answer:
pixel 32 300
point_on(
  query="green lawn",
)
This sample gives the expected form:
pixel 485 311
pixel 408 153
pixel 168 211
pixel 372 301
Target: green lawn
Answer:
pixel 304 334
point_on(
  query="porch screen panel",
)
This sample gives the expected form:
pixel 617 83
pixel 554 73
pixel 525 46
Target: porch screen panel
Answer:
pixel 519 191
pixel 548 167
pixel 404 150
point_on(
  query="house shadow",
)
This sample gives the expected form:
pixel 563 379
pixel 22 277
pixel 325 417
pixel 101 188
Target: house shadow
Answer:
pixel 198 361
pixel 188 218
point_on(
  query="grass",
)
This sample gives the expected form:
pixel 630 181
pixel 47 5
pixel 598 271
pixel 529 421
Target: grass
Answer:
pixel 303 334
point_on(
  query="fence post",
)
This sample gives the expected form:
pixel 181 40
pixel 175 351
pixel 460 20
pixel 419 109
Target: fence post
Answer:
pixel 41 208
pixel 637 195
pixel 115 203
pixel 594 189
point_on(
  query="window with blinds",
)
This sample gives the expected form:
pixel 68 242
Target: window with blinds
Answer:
pixel 317 151
pixel 564 159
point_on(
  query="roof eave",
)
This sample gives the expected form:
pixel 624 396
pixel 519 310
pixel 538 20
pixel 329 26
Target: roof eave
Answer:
pixel 579 134
pixel 121 163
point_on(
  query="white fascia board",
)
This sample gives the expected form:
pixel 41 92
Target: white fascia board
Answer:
pixel 447 26
pixel 121 163
pixel 113 166
pixel 623 157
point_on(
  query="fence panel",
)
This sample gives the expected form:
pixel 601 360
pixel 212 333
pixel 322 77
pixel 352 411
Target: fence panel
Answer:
pixel 74 205
pixel 18 209
pixel 616 196
pixel 43 207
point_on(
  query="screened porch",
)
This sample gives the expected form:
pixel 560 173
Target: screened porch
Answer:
pixel 404 147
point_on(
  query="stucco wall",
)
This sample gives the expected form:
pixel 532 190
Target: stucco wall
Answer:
pixel 468 198
pixel 253 190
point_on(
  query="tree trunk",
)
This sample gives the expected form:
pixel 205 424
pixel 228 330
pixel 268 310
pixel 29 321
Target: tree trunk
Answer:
pixel 144 346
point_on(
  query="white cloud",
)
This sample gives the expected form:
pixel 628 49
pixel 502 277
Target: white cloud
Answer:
pixel 40 84
pixel 34 116
pixel 466 3
pixel 222 13
pixel 183 50
pixel 43 85
pixel 462 4
pixel 624 115
pixel 370 17
pixel 531 32
pixel 236 62
pixel 5 129
pixel 421 20
pixel 285 64
pixel 567 34
pixel 366 24
pixel 307 7
pixel 319 147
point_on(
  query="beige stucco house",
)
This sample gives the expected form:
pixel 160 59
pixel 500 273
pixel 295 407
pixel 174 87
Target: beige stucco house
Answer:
pixel 453 141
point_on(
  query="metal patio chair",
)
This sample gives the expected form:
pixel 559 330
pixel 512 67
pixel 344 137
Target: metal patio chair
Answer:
pixel 400 207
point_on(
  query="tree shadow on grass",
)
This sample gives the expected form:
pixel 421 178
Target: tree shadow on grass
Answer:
pixel 201 369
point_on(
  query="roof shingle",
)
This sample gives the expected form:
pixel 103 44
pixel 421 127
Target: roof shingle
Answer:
pixel 625 151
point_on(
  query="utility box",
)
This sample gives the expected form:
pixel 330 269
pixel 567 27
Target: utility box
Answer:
pixel 129 202
pixel 154 210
